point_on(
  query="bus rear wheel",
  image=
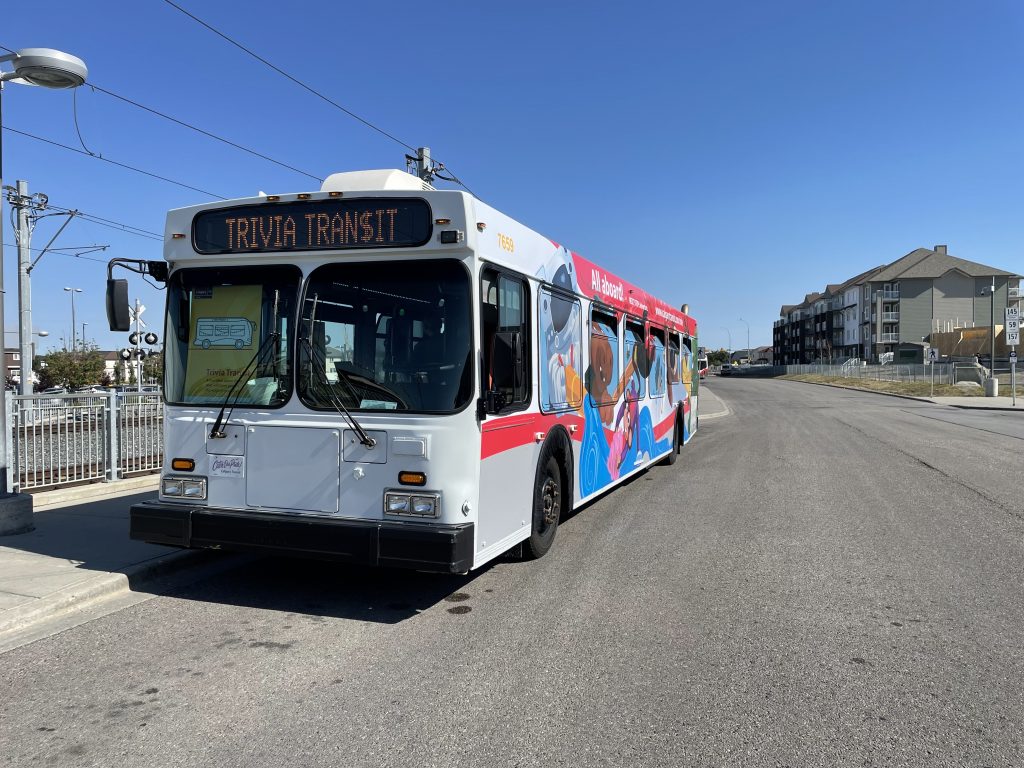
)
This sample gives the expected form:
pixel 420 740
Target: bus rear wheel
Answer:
pixel 547 509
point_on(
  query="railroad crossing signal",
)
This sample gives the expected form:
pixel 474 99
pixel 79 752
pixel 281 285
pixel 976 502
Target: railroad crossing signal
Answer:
pixel 136 315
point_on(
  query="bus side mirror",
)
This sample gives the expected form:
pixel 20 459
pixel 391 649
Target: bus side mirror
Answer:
pixel 118 315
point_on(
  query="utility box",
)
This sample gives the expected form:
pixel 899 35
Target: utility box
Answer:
pixel 909 353
pixel 991 387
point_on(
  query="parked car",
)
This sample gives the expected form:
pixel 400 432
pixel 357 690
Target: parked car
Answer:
pixel 726 370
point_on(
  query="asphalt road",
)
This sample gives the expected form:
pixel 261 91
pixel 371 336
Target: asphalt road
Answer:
pixel 825 578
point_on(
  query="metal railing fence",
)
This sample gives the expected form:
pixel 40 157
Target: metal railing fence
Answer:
pixel 75 438
pixel 945 373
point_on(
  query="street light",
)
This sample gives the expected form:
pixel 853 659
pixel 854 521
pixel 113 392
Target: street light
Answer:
pixel 749 360
pixel 730 343
pixel 73 291
pixel 991 386
pixel 50 69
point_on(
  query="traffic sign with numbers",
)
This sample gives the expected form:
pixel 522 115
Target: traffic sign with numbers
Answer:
pixel 1012 338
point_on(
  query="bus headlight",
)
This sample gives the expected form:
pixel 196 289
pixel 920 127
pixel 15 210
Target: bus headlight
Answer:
pixel 193 488
pixel 423 504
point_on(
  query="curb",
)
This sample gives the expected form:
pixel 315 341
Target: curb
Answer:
pixel 1018 409
pixel 90 591
pixel 62 497
pixel 715 414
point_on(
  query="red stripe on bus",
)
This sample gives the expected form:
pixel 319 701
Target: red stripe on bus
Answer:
pixel 665 427
pixel 511 432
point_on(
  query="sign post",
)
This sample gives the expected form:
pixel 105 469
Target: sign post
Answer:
pixel 933 357
pixel 1013 340
pixel 1013 376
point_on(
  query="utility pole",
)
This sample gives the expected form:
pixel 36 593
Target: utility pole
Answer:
pixel 26 206
pixel 24 239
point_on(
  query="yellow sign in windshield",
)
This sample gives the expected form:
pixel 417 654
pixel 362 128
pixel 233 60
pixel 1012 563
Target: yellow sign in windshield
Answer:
pixel 224 334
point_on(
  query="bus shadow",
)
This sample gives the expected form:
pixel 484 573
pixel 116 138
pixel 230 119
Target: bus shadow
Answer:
pixel 319 589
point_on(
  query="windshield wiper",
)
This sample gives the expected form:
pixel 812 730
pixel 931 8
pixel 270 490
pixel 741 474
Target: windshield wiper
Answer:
pixel 320 364
pixel 216 432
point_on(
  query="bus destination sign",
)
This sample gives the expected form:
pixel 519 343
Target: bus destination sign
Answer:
pixel 313 225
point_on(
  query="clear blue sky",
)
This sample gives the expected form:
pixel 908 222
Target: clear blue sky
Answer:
pixel 730 155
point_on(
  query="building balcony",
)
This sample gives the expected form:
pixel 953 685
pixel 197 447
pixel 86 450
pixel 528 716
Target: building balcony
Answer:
pixel 890 317
pixel 892 294
pixel 888 338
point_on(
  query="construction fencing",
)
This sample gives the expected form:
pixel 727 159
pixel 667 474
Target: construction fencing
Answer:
pixel 58 440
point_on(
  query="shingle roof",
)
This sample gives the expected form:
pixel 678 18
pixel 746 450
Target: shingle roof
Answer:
pixel 926 263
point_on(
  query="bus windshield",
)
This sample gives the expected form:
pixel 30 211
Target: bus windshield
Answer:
pixel 229 333
pixel 386 336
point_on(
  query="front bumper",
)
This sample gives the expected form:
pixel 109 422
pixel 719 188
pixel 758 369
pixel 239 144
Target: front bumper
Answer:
pixel 441 548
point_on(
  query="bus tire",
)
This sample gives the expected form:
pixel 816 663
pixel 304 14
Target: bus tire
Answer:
pixel 669 460
pixel 547 507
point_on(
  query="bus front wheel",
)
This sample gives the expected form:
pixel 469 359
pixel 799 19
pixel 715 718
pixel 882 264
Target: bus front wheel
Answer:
pixel 547 508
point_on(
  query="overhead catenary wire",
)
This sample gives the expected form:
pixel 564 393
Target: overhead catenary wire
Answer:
pixel 312 90
pixel 114 162
pixel 129 228
pixel 64 251
pixel 176 121
pixel 204 132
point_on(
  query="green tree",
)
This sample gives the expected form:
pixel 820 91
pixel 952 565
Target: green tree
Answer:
pixel 75 368
pixel 718 357
pixel 44 378
pixel 154 368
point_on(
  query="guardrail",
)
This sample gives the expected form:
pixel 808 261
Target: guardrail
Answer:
pixel 77 438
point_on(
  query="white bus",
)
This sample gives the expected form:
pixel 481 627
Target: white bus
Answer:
pixel 429 383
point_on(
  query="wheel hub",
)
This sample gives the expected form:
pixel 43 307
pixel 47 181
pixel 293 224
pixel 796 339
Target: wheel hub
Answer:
pixel 551 496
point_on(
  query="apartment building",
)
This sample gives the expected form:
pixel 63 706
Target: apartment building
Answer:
pixel 897 303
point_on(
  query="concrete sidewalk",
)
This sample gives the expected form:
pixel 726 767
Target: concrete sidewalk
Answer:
pixel 710 405
pixel 78 554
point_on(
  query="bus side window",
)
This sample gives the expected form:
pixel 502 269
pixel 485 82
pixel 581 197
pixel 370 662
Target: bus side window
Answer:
pixel 685 363
pixel 505 335
pixel 635 352
pixel 674 376
pixel 657 375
